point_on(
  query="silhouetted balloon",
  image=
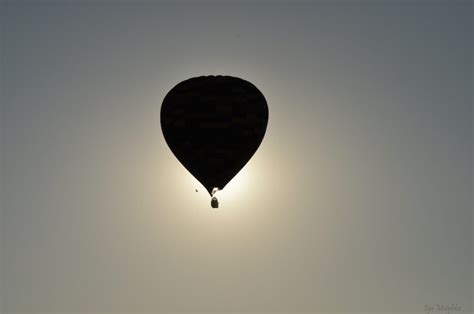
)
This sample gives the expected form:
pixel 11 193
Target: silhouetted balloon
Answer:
pixel 214 125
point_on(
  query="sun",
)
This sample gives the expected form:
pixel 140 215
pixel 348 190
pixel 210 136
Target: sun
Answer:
pixel 234 191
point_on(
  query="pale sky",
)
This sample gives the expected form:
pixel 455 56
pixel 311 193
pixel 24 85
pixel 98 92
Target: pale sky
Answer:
pixel 359 198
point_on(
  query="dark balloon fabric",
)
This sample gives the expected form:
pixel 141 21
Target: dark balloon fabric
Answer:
pixel 214 125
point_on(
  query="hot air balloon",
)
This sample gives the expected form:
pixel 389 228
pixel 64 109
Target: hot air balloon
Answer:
pixel 214 125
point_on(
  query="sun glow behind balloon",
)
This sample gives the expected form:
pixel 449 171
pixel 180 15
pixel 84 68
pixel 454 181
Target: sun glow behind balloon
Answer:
pixel 233 193
pixel 237 187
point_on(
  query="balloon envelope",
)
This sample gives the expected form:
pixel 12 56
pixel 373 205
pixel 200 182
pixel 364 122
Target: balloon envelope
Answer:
pixel 214 125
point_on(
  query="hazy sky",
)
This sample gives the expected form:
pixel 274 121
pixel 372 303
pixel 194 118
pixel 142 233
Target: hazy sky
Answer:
pixel 359 198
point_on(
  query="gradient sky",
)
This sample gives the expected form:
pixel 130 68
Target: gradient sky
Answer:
pixel 359 198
